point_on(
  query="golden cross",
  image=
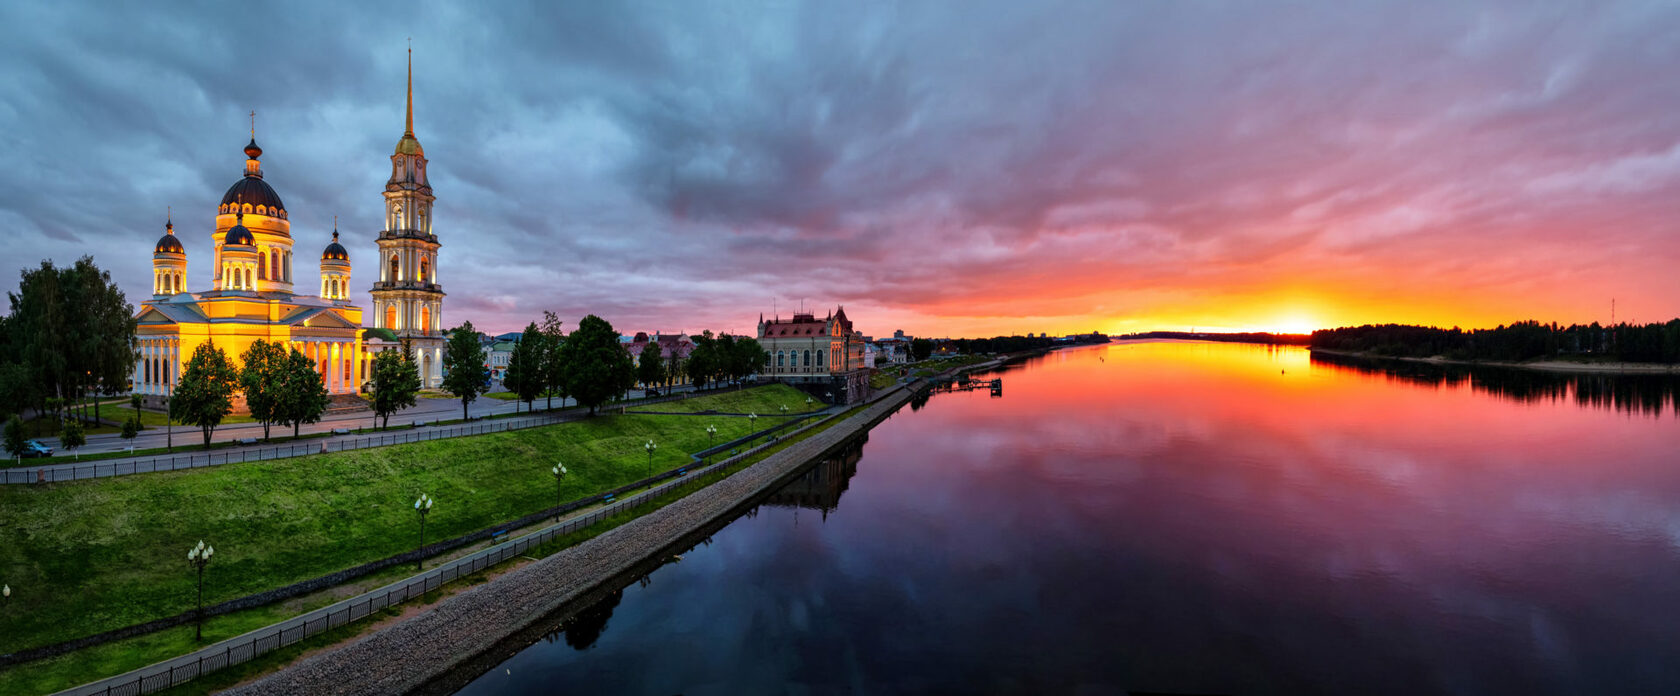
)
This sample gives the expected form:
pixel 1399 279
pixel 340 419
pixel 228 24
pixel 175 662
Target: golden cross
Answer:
pixel 253 125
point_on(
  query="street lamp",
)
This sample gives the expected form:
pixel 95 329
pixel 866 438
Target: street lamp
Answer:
pixel 650 447
pixel 422 505
pixel 808 402
pixel 711 434
pixel 784 409
pixel 199 557
pixel 559 472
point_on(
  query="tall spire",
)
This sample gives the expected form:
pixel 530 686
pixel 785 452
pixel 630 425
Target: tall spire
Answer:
pixel 410 130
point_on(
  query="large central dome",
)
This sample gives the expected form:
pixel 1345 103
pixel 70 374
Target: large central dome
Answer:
pixel 252 190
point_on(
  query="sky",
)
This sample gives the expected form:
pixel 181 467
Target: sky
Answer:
pixel 944 168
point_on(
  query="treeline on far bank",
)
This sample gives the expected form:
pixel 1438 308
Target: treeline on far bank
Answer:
pixel 1525 340
pixel 1014 344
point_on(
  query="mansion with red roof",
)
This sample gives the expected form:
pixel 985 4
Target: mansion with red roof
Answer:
pixel 807 346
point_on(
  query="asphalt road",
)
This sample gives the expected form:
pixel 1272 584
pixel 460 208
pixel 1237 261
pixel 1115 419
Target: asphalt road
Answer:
pixel 425 410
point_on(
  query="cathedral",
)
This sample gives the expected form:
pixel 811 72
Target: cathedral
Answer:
pixel 252 293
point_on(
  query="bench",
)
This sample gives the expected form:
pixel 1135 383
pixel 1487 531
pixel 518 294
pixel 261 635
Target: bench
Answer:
pixel 607 498
pixel 247 441
pixel 498 536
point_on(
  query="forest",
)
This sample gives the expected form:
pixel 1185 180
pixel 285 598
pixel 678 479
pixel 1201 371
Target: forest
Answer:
pixel 1526 340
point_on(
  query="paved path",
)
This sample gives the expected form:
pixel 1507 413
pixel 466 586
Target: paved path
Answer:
pixel 66 469
pixel 420 651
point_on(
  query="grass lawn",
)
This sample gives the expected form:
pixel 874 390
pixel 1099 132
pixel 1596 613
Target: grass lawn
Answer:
pixel 764 401
pixel 90 556
pixel 506 396
pixel 98 662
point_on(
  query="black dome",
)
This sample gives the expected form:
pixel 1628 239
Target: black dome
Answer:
pixel 335 251
pixel 168 244
pixel 252 191
pixel 238 235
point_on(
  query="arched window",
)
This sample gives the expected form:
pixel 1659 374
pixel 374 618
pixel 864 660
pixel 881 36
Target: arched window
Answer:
pixel 424 266
pixel 819 358
pixel 425 318
pixel 780 359
pixel 274 264
pixel 807 358
pixel 262 266
pixel 395 269
pixel 390 316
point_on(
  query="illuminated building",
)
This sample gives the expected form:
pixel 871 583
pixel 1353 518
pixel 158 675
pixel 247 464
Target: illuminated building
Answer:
pixel 250 295
pixel 407 299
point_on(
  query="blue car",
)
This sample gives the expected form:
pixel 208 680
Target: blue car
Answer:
pixel 34 448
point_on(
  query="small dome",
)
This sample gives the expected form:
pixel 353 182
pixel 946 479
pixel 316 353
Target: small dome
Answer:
pixel 335 251
pixel 251 150
pixel 239 236
pixel 168 244
pixel 409 145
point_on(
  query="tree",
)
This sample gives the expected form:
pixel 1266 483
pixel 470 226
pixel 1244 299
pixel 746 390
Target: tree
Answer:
pixel 73 436
pixel 596 367
pixel 525 369
pixel 463 359
pixel 15 437
pixel 204 395
pixel 396 384
pixel 554 378
pixel 746 358
pixel 650 367
pixel 675 368
pixel 265 365
pixel 921 348
pixel 301 396
pixel 74 330
pixel 131 429
pixel 704 360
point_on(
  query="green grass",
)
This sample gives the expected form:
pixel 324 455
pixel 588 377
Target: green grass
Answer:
pixel 115 658
pixel 882 379
pixel 764 401
pixel 90 556
pixel 506 396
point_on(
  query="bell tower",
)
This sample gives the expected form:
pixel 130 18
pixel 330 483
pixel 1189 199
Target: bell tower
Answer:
pixel 407 298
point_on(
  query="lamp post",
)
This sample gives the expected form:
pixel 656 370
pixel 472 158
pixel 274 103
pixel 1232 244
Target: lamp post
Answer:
pixel 808 402
pixel 422 505
pixel 650 447
pixel 559 472
pixel 199 557
pixel 711 434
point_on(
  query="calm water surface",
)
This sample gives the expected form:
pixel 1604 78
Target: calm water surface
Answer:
pixel 1185 518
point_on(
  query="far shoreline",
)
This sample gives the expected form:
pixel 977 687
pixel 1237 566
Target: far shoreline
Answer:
pixel 1540 365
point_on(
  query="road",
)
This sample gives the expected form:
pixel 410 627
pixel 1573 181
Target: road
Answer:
pixel 425 410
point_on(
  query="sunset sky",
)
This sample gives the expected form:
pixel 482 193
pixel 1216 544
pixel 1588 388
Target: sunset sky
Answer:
pixel 946 168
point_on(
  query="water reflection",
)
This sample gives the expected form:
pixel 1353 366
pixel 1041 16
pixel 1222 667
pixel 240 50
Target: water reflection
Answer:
pixel 1184 518
pixel 1646 394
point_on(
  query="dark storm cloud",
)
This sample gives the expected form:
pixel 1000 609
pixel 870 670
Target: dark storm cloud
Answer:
pixel 684 165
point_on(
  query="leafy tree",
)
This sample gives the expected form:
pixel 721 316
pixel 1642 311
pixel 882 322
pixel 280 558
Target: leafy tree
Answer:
pixel 704 362
pixel 396 384
pixel 108 330
pixel 73 436
pixel 595 366
pixel 204 395
pixel 131 429
pixel 15 437
pixel 675 368
pixel 74 330
pixel 525 368
pixel 301 396
pixel 554 378
pixel 650 366
pixel 746 358
pixel 261 379
pixel 921 349
pixel 463 359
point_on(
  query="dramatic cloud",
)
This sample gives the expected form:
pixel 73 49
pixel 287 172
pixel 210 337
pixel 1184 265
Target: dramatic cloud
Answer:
pixel 946 168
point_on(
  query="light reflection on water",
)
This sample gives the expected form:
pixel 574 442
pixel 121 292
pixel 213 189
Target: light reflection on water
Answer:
pixel 1185 517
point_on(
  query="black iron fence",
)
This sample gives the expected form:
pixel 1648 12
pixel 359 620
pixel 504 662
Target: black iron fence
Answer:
pixel 174 462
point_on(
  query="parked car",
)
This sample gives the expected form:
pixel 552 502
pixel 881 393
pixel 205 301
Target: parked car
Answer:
pixel 34 448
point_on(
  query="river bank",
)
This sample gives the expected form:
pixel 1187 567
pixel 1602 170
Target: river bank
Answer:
pixel 1541 365
pixel 425 647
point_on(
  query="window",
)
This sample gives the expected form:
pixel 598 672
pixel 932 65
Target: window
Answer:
pixel 819 358
pixel 390 316
pixel 274 264
pixel 807 358
pixel 781 359
pixel 424 265
pixel 425 316
pixel 395 268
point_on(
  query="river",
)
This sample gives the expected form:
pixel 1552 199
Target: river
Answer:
pixel 1177 517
